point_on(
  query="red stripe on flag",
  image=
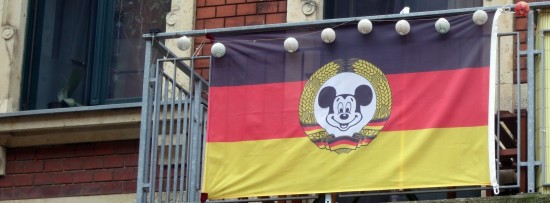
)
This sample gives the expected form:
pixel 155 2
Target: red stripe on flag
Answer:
pixel 312 128
pixel 343 142
pixel 440 99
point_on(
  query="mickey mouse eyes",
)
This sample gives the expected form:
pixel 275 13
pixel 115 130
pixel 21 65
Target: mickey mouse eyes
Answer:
pixel 341 108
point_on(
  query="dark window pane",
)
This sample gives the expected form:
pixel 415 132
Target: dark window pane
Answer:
pixel 352 8
pixel 61 54
pixel 132 19
pixel 87 52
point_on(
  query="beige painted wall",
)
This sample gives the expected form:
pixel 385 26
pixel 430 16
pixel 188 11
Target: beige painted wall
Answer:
pixel 295 11
pixel 13 16
pixel 180 18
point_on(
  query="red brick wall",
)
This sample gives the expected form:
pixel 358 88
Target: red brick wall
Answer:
pixel 520 25
pixel 70 170
pixel 233 13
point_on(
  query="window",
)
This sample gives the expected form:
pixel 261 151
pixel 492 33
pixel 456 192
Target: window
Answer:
pixel 352 8
pixel 87 52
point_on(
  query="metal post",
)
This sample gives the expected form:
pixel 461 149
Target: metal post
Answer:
pixel 203 145
pixel 543 106
pixel 164 100
pixel 531 104
pixel 145 125
pixel 171 133
pixel 194 153
pixel 154 133
pixel 185 148
pixel 518 114
pixel 543 109
pixel 177 161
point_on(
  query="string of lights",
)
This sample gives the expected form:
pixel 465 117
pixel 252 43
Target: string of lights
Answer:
pixel 365 26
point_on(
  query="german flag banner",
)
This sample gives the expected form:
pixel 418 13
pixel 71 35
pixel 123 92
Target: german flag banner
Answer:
pixel 374 111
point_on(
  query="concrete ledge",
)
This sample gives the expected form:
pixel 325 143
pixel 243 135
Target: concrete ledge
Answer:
pixel 70 125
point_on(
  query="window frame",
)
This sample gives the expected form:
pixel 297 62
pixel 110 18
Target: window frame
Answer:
pixel 96 77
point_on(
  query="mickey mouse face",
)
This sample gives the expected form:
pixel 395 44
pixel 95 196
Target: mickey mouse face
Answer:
pixel 345 103
pixel 345 109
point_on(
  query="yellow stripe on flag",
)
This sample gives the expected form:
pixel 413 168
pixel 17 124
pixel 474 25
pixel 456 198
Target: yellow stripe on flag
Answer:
pixel 394 160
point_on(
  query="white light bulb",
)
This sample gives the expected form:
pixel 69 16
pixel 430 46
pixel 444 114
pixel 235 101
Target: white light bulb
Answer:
pixel 328 35
pixel 402 27
pixel 364 26
pixel 217 50
pixel 183 43
pixel 442 25
pixel 480 17
pixel 291 44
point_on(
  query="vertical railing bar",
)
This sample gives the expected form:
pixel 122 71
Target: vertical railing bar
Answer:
pixel 193 163
pixel 191 126
pixel 145 125
pixel 198 144
pixel 196 150
pixel 163 136
pixel 518 110
pixel 543 106
pixel 543 139
pixel 190 145
pixel 191 77
pixel 530 104
pixel 203 144
pixel 204 130
pixel 178 141
pixel 154 134
pixel 171 131
pixel 149 132
pixel 185 147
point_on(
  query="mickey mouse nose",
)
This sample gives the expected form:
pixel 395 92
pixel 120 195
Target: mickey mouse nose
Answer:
pixel 344 116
